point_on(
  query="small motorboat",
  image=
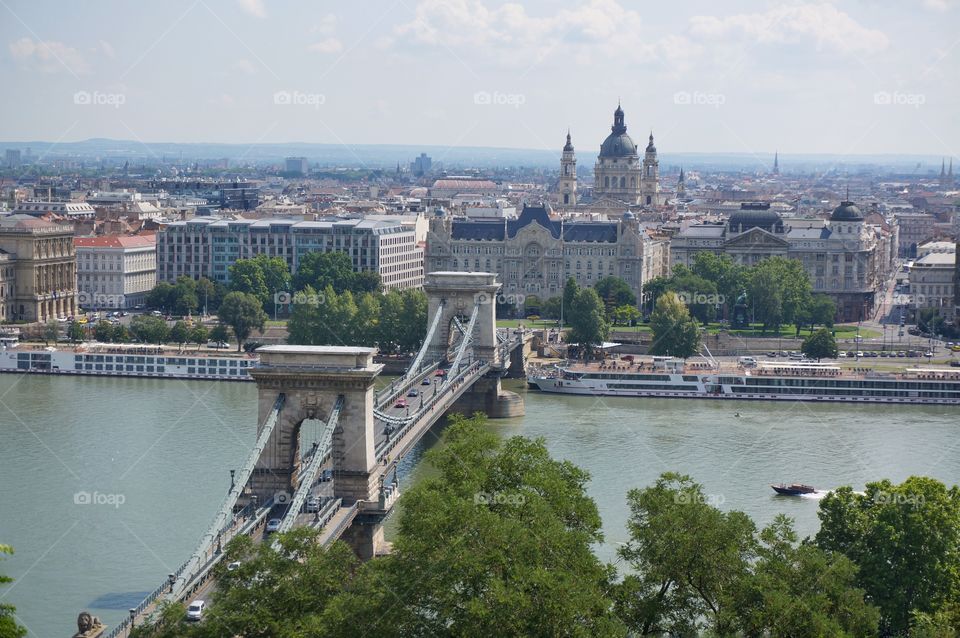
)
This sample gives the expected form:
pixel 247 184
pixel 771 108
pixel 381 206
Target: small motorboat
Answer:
pixel 793 489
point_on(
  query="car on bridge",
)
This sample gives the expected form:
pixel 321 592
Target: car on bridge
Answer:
pixel 401 403
pixel 195 610
pixel 413 392
pixel 273 525
pixel 426 381
pixel 312 505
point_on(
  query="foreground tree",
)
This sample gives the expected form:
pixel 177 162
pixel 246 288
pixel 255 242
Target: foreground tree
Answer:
pixel 8 625
pixel 243 313
pixel 904 538
pixel 701 571
pixel 497 544
pixel 687 555
pixel 675 332
pixel 820 345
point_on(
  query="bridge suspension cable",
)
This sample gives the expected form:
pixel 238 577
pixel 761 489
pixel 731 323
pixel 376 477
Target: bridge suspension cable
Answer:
pixel 415 364
pixel 309 476
pixel 225 512
pixel 467 339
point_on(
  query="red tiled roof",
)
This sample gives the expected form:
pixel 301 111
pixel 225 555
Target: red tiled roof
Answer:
pixel 116 241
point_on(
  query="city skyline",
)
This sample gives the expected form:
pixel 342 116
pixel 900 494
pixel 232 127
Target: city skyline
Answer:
pixel 847 78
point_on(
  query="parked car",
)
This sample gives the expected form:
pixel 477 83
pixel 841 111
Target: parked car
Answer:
pixel 234 566
pixel 273 525
pixel 218 344
pixel 195 610
pixel 928 354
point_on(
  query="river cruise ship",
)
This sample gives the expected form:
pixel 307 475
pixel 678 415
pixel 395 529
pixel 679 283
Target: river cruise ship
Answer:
pixel 767 380
pixel 127 360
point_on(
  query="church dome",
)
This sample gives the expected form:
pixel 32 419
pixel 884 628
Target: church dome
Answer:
pixel 618 143
pixel 846 212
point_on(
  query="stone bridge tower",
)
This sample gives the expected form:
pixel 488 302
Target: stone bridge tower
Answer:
pixel 458 292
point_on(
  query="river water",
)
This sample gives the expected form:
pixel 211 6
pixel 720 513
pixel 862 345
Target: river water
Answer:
pixel 107 484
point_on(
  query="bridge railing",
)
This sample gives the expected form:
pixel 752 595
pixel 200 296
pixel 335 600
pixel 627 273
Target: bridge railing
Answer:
pixel 397 435
pixel 400 385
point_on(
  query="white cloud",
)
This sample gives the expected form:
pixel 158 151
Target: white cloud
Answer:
pixel 49 56
pixel 254 8
pixel 597 28
pixel 330 45
pixel 823 24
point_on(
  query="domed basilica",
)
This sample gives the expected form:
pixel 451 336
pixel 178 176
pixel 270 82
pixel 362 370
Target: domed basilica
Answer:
pixel 620 176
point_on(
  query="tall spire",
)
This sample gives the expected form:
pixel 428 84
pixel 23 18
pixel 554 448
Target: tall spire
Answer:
pixel 568 147
pixel 950 172
pixel 776 162
pixel 943 166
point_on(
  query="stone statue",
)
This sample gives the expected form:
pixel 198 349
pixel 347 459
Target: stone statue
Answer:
pixel 88 626
pixel 740 318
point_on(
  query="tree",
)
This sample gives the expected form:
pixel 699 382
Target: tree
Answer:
pixel 247 276
pixel 120 334
pixel 199 335
pixel 515 557
pixel 729 277
pixel 675 332
pixel 219 335
pixel 243 313
pixel 570 289
pixel 150 329
pixel 652 291
pixel 103 331
pixel 321 269
pixel 366 281
pixel 367 320
pixel 209 294
pixel 699 294
pixel 820 345
pixel 615 292
pixel 587 320
pixel 51 331
pixel 8 625
pixel 822 311
pixel 625 315
pixel 550 309
pixel 185 300
pixel 180 333
pixel 779 288
pixel 76 332
pixel 905 540
pixel 799 591
pixel 162 297
pixel 687 555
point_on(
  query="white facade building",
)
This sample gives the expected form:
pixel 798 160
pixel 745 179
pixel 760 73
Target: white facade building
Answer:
pixel 115 271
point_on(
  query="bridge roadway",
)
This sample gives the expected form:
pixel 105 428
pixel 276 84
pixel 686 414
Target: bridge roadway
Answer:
pixel 397 430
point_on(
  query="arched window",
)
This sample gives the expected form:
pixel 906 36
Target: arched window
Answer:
pixel 649 199
pixel 623 182
pixel 566 198
pixel 606 182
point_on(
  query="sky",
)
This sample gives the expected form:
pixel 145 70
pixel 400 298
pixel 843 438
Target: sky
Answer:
pixel 868 77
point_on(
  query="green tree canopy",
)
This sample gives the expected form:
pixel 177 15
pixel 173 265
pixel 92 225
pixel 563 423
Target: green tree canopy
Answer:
pixel 587 319
pixel 246 276
pixel 219 335
pixel 615 292
pixel 103 332
pixel 51 331
pixel 625 315
pixel 8 624
pixel 76 332
pixel 150 329
pixel 243 313
pixel 199 335
pixel 904 538
pixel 820 345
pixel 180 332
pixel 335 269
pixel 515 557
pixel 675 332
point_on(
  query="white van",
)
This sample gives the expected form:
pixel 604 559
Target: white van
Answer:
pixel 747 362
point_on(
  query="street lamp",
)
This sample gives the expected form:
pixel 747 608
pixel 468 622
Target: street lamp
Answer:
pixel 133 616
pixel 171 578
